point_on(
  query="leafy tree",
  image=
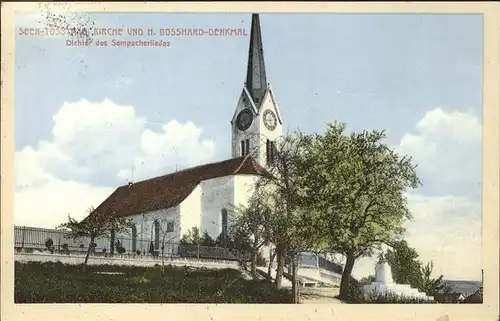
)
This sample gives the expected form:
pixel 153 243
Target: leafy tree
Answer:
pixel 356 186
pixel 250 227
pixel 237 239
pixel 427 284
pixel 95 225
pixel 288 225
pixel 207 240
pixel 191 237
pixel 406 269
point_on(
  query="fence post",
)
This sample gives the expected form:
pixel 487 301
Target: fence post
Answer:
pixel 22 242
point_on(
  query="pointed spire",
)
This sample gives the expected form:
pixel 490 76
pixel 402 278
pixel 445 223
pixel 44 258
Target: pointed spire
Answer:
pixel 256 73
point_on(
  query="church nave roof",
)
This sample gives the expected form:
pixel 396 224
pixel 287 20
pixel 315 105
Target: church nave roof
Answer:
pixel 170 190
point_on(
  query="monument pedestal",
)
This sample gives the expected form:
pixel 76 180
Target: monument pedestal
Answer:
pixel 384 284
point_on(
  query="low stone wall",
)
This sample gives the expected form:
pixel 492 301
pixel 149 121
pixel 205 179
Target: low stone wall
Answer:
pixel 117 260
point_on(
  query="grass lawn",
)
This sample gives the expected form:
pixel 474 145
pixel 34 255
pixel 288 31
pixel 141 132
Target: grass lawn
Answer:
pixel 49 282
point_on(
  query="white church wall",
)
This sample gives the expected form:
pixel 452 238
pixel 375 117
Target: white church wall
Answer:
pixel 190 211
pixel 144 224
pixel 163 216
pixel 244 186
pixel 217 194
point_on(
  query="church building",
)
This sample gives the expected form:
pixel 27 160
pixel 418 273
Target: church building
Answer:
pixel 165 208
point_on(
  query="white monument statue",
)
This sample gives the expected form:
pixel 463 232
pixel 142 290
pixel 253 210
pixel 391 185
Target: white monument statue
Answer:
pixel 383 272
pixel 384 283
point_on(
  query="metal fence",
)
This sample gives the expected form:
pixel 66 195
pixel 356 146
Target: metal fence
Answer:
pixel 29 239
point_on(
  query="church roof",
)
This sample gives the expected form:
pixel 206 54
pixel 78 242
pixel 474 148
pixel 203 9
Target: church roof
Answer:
pixel 171 189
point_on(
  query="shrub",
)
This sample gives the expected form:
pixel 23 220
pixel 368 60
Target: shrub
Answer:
pixel 119 248
pixel 390 297
pixel 356 293
pixel 65 248
pixel 49 244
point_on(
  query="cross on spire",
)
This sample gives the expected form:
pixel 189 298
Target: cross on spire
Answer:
pixel 256 71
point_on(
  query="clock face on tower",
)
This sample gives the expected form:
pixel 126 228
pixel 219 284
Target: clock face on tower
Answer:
pixel 270 120
pixel 244 119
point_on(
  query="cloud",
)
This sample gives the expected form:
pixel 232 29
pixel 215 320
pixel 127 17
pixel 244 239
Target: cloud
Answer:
pixel 47 204
pixel 447 148
pixel 445 230
pixel 447 224
pixel 93 149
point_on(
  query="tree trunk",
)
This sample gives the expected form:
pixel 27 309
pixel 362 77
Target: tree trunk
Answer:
pixel 87 254
pixel 271 260
pixel 346 274
pixel 112 243
pixel 295 281
pixel 280 260
pixel 253 263
pixel 162 258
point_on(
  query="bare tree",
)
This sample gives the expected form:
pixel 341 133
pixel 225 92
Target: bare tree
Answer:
pixel 95 225
pixel 168 234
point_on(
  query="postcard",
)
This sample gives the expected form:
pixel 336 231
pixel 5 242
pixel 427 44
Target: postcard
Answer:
pixel 330 155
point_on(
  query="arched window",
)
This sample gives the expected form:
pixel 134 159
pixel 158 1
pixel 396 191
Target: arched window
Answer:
pixel 224 224
pixel 134 239
pixel 157 234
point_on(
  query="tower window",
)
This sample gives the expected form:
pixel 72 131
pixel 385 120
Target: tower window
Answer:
pixel 245 147
pixel 270 151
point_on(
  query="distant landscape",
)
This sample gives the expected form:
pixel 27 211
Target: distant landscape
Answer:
pixel 461 286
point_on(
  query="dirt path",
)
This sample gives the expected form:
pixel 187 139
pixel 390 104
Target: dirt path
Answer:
pixel 319 296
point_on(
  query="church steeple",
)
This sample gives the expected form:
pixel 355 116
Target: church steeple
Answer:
pixel 256 122
pixel 256 71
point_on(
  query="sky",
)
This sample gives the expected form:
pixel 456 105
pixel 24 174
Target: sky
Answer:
pixel 89 119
